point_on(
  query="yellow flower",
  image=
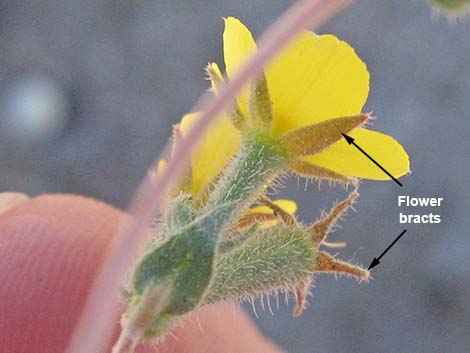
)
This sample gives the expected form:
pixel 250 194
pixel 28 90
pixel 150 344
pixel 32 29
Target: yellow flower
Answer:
pixel 317 78
pixel 264 216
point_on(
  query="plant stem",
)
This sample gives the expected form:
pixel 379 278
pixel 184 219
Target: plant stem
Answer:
pixel 259 161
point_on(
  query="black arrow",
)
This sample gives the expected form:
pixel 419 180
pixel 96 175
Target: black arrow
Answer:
pixel 376 260
pixel 350 140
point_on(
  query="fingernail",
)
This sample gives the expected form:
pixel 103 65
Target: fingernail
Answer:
pixel 9 200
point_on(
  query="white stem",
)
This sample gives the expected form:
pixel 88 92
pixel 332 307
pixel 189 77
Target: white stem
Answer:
pixel 151 303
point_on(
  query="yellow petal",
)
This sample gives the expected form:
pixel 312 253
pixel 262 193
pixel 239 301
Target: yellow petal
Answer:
pixel 314 79
pixel 155 173
pixel 346 159
pixel 219 143
pixel 287 205
pixel 238 46
pixel 261 213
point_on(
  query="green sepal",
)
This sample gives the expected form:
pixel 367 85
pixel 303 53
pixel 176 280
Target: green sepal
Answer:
pixel 275 259
pixel 180 212
pixel 185 256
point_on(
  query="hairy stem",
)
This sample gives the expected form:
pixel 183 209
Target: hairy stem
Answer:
pixel 260 159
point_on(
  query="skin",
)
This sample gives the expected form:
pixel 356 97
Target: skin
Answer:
pixel 50 248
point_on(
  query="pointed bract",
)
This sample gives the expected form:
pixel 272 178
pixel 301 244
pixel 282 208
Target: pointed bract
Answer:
pixel 313 171
pixel 348 139
pixel 374 263
pixel 285 216
pixel 327 263
pixel 301 294
pixel 312 139
pixel 320 229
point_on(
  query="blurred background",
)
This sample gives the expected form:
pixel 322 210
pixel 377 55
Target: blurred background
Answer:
pixel 89 90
